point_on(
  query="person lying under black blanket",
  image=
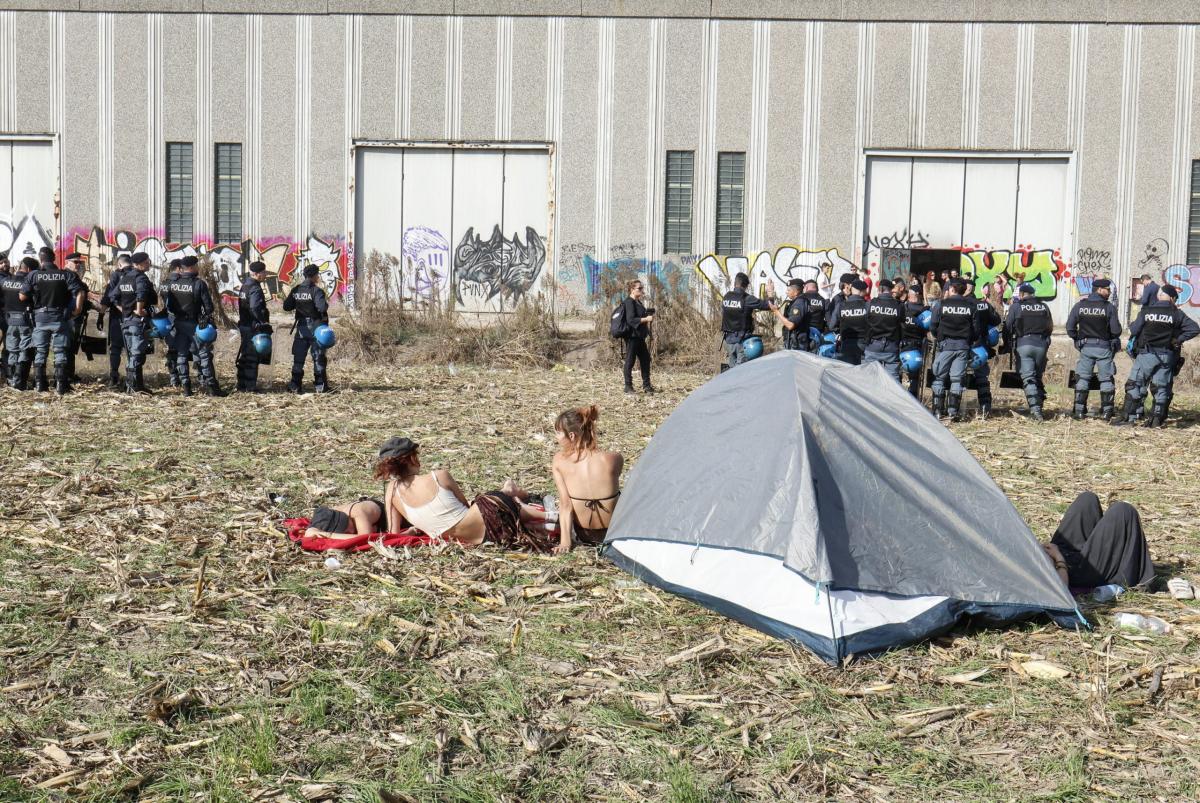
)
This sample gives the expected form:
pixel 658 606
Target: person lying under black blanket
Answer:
pixel 1093 548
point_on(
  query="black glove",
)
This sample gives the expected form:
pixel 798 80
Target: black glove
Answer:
pixel 1005 348
pixel 1078 347
pixel 1115 344
pixel 263 329
pixel 100 322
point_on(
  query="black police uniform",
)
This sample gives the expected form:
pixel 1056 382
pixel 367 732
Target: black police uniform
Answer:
pixel 5 273
pixel 952 322
pixel 308 301
pixel 885 330
pixel 850 322
pixel 116 338
pixel 132 287
pixel 75 333
pixel 798 312
pixel 1094 327
pixel 52 293
pixel 172 353
pixel 737 323
pixel 818 312
pixel 18 339
pixel 190 305
pixel 1027 330
pixel 985 318
pixel 913 337
pixel 253 318
pixel 1158 332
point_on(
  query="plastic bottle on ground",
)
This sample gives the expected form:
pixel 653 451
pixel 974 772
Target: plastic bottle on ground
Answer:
pixel 1108 592
pixel 1148 624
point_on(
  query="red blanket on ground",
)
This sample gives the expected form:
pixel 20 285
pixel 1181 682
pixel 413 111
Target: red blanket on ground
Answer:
pixel 297 532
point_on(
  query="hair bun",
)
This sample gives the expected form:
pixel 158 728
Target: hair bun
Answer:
pixel 589 414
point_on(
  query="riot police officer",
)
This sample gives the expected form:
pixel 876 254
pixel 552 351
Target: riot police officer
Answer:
pixel 850 322
pixel 190 304
pixel 1094 327
pixel 108 305
pixel 795 317
pixel 844 282
pixel 56 296
pixel 913 336
pixel 885 329
pixel 5 273
pixel 77 265
pixel 19 317
pixel 818 308
pixel 136 297
pixel 952 322
pixel 253 318
pixel 1160 329
pixel 737 320
pixel 1027 330
pixel 174 271
pixel 308 301
pixel 985 318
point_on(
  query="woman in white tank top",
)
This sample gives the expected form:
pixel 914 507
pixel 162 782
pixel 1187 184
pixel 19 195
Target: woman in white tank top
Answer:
pixel 435 504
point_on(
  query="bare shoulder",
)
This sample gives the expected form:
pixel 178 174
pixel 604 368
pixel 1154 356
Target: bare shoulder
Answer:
pixel 443 475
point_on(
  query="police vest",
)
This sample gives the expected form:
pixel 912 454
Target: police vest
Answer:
pixel 249 296
pixel 955 321
pixel 1033 318
pixel 913 330
pixel 816 310
pixel 735 318
pixel 885 318
pixel 183 297
pixel 852 317
pixel 1160 327
pixel 305 297
pixel 10 291
pixel 51 289
pixel 1091 319
pixel 796 338
pixel 128 286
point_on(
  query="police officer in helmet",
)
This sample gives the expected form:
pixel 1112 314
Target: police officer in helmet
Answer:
pixel 190 303
pixel 116 338
pixel 308 301
pixel 885 329
pixel 737 320
pixel 849 320
pixel 253 318
pixel 136 297
pixel 1158 332
pixel 985 318
pixel 952 323
pixel 1027 329
pixel 18 316
pixel 795 317
pixel 56 296
pixel 913 336
pixel 1094 327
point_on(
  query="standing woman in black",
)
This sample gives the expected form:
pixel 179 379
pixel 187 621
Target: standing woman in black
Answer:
pixel 638 318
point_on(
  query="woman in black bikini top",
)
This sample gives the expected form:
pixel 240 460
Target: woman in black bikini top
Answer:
pixel 579 463
pixel 365 515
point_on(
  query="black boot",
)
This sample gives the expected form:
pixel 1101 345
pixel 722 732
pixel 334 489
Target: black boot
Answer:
pixel 213 389
pixel 1080 410
pixel 139 384
pixel 985 407
pixel 1035 412
pixel 1106 404
pixel 320 383
pixel 1158 415
pixel 43 384
pixel 114 380
pixel 939 405
pixel 23 374
pixel 186 384
pixel 952 404
pixel 297 383
pixel 61 383
pixel 1129 412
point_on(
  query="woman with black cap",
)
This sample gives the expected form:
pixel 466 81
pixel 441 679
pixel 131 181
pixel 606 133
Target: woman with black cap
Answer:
pixel 435 504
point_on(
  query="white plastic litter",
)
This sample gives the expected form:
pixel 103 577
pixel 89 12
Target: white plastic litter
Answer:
pixel 332 563
pixel 1148 624
pixel 1108 592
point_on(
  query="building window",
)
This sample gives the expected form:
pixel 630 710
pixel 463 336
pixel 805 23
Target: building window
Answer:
pixel 1193 242
pixel 677 238
pixel 731 202
pixel 228 227
pixel 179 192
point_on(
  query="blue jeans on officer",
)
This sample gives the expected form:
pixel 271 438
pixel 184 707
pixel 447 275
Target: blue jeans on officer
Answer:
pixel 1153 373
pixel 184 345
pixel 305 343
pixel 18 341
pixel 1031 363
pixel 51 329
pixel 1094 358
pixel 949 364
pixel 886 354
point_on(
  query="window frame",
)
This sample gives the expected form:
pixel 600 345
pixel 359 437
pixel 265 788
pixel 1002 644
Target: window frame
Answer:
pixel 683 194
pixel 181 189
pixel 222 192
pixel 730 193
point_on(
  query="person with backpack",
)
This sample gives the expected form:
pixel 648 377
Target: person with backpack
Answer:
pixel 631 323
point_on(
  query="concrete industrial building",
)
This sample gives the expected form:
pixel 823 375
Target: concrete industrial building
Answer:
pixel 493 145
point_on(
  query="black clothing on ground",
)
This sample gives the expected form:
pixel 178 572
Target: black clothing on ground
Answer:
pixel 1102 548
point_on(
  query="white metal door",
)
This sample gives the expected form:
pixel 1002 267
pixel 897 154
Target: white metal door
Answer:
pixel 428 188
pixel 28 183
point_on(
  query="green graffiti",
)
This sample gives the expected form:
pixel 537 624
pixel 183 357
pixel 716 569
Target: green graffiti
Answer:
pixel 1038 268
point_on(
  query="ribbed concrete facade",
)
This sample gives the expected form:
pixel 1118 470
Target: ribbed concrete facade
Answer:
pixel 1109 103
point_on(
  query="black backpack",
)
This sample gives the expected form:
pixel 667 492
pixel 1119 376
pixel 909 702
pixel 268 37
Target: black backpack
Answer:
pixel 618 325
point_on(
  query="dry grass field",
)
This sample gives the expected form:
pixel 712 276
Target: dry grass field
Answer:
pixel 160 638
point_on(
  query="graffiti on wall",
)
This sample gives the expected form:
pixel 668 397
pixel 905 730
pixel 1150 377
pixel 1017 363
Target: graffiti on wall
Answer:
pixel 1186 279
pixel 285 259
pixel 1042 268
pixel 898 239
pixel 1153 261
pixel 426 265
pixel 22 238
pixel 499 269
pixel 1090 264
pixel 770 271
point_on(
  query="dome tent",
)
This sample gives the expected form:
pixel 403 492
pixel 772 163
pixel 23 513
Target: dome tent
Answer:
pixel 780 494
